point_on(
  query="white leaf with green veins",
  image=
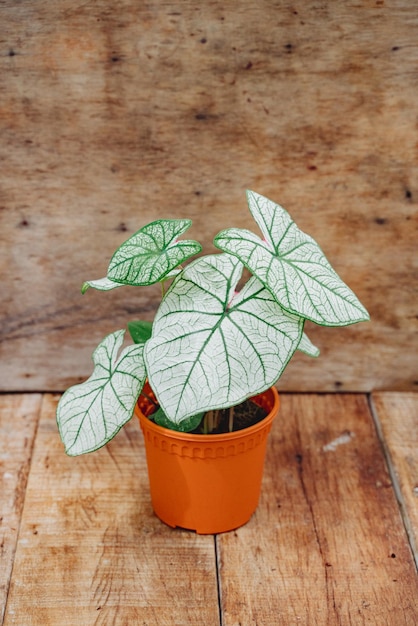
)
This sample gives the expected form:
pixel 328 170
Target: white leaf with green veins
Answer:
pixel 152 253
pixel 292 266
pixel 212 348
pixel 90 414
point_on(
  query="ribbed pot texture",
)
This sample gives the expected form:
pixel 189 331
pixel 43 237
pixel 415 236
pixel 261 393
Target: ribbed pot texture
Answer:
pixel 206 483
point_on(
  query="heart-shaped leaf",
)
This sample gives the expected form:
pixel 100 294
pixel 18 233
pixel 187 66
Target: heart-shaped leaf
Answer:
pixel 152 253
pixel 292 266
pixel 212 348
pixel 90 414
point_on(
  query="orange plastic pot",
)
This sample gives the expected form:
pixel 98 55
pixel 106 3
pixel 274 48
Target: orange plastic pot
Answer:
pixel 207 483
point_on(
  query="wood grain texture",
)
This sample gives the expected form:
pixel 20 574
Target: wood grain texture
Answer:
pixel 90 550
pixel 397 415
pixel 327 544
pixel 114 115
pixel 18 422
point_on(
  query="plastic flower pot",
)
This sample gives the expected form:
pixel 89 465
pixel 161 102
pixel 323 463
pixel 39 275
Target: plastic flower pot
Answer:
pixel 206 483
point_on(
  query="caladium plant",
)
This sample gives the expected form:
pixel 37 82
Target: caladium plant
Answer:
pixel 211 346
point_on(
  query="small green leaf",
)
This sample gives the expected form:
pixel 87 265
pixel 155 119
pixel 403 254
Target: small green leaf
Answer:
pixel 185 426
pixel 102 284
pixel 307 346
pixel 212 348
pixel 292 266
pixel 152 253
pixel 140 330
pixel 91 414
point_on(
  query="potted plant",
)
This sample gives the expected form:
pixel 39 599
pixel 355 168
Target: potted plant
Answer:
pixel 211 348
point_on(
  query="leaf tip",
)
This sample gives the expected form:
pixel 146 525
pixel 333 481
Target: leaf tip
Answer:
pixel 366 315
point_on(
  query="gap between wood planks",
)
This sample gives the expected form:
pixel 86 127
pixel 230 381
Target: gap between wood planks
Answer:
pixel 409 530
pixel 218 577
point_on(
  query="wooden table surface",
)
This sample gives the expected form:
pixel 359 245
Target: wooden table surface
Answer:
pixel 332 541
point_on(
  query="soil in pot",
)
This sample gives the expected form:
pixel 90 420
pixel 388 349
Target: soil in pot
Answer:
pixel 238 417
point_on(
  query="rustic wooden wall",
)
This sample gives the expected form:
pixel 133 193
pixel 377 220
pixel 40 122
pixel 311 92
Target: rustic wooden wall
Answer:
pixel 113 114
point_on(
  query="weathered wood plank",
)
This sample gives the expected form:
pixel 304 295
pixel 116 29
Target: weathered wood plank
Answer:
pixel 18 422
pixel 115 114
pixel 327 544
pixel 90 550
pixel 397 416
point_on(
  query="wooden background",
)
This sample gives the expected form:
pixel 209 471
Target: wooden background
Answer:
pixel 115 114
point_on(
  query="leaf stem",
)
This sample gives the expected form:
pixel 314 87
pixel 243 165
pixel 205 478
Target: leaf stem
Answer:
pixel 231 419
